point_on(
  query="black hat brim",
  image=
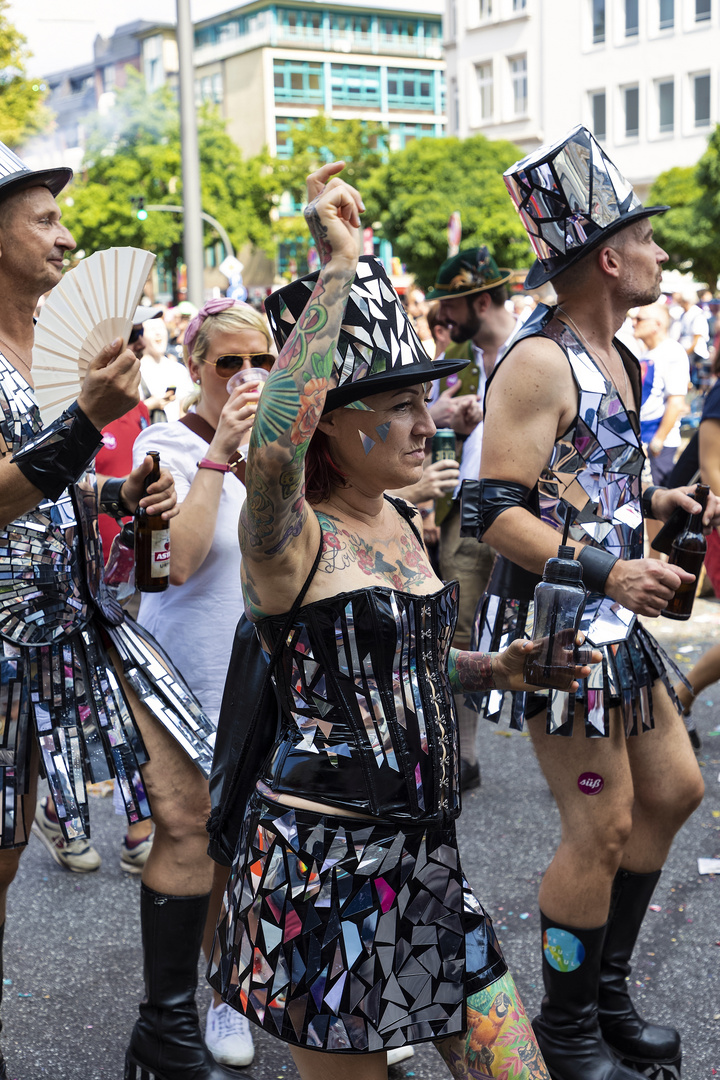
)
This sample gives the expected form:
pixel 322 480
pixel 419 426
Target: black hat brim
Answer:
pixel 344 395
pixel 544 270
pixel 53 179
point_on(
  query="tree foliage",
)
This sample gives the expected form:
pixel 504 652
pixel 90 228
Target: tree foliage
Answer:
pixel 320 139
pixel 22 113
pixel 135 151
pixel 690 230
pixel 413 194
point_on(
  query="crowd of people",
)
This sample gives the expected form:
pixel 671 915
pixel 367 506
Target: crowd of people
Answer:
pixel 387 608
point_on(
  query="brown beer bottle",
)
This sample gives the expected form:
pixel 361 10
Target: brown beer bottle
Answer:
pixel 152 542
pixel 688 552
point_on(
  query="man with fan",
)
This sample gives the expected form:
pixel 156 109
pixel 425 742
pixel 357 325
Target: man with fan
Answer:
pixel 96 690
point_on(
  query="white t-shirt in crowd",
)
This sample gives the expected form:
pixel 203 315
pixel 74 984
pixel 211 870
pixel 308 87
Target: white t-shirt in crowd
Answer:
pixel 692 323
pixel 195 622
pixel 670 375
pixel 159 374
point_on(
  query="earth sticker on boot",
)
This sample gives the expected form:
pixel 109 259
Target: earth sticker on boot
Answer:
pixel 563 951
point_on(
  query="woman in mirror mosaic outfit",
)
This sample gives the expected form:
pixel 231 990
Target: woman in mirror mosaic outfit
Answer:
pixel 348 927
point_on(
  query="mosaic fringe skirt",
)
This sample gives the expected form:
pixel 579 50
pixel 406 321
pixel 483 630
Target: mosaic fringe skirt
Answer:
pixel 84 724
pixel 623 680
pixel 352 936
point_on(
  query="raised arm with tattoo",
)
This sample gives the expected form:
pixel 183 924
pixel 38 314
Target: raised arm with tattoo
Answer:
pixel 293 398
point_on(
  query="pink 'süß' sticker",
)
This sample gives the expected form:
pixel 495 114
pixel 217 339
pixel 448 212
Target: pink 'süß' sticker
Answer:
pixel 451 380
pixel 590 783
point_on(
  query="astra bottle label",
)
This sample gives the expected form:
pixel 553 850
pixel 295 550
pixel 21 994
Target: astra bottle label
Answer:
pixel 160 553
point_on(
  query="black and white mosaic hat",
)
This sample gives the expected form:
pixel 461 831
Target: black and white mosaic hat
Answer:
pixel 378 348
pixel 571 197
pixel 15 175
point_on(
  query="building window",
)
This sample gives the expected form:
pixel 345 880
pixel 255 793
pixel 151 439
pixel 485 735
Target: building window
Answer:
pixel 401 33
pixel 518 78
pixel 306 25
pixel 702 10
pixel 666 107
pixel 355 85
pixel 402 134
pixel 408 89
pixel 485 89
pixel 357 27
pixel 631 18
pixel 519 6
pixel 297 81
pixel 485 9
pixel 667 14
pixel 599 115
pixel 631 96
pixel 701 97
pixel 283 141
pixel 598 21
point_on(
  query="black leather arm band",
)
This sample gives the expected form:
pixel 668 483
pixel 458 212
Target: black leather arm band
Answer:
pixel 646 502
pixel 597 564
pixel 111 500
pixel 482 501
pixel 60 454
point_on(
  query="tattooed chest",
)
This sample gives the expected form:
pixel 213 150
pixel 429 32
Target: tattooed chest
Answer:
pixel 401 564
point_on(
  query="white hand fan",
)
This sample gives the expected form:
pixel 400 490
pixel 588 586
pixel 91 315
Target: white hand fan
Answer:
pixel 93 304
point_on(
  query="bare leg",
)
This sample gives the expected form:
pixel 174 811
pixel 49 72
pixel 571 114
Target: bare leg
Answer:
pixel 139 831
pixel 10 857
pixel 315 1065
pixel 499 1040
pixel 705 672
pixel 178 863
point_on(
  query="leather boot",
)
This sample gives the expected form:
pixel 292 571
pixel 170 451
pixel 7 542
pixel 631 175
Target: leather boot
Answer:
pixel 3 1068
pixel 567 1028
pixel 651 1049
pixel 166 1043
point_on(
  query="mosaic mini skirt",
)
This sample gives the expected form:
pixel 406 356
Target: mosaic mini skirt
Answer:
pixel 623 680
pixel 349 935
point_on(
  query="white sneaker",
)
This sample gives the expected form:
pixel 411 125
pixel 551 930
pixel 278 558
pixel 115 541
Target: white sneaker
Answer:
pixel 76 855
pixel 399 1053
pixel 227 1036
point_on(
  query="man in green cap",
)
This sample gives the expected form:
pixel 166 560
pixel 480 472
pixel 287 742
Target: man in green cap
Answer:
pixel 472 294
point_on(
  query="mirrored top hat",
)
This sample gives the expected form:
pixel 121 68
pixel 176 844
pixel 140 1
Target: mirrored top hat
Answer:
pixel 470 271
pixel 378 348
pixel 15 175
pixel 571 198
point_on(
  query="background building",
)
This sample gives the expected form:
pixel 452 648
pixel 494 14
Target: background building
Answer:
pixel 643 75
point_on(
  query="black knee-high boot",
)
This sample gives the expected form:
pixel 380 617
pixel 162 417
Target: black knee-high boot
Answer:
pixel 651 1049
pixel 3 1070
pixel 567 1028
pixel 166 1043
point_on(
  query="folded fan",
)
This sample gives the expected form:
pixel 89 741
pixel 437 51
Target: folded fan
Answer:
pixel 93 304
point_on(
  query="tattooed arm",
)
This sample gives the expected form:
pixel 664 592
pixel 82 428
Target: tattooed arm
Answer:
pixel 475 671
pixel 292 402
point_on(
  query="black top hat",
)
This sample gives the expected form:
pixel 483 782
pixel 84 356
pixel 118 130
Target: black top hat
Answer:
pixel 378 348
pixel 15 175
pixel 571 198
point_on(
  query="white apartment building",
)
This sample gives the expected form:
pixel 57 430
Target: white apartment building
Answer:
pixel 643 75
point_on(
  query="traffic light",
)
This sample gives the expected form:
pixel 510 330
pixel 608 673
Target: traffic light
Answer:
pixel 139 204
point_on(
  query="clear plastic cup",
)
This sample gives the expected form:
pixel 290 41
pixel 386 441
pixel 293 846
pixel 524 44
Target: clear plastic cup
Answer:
pixel 248 375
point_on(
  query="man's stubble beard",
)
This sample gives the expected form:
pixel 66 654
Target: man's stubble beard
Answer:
pixel 465 331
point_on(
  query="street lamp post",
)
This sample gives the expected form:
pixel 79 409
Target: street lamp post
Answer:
pixel 192 204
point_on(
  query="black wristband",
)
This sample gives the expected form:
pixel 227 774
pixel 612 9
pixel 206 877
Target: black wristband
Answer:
pixel 111 500
pixel 597 564
pixel 646 502
pixel 60 454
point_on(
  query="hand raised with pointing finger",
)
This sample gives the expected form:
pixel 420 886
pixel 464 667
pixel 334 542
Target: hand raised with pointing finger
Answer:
pixel 333 216
pixel 111 386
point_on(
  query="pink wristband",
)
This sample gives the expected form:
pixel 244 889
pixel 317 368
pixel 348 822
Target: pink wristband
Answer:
pixel 205 463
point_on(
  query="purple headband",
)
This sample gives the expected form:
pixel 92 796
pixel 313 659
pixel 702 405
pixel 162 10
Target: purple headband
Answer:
pixel 210 307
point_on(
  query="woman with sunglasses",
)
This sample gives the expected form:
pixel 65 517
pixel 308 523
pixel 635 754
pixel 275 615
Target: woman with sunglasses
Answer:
pixel 349 929
pixel 194 619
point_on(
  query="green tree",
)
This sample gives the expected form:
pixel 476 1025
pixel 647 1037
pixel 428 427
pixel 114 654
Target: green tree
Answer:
pixel 414 193
pixel 22 112
pixel 135 151
pixel 684 231
pixel 319 139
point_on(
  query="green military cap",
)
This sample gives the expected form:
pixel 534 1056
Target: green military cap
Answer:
pixel 471 271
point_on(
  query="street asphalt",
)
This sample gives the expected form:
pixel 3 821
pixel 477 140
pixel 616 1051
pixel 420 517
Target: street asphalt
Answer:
pixel 72 945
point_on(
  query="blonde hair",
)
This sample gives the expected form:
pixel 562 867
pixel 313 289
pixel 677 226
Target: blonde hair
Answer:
pixel 230 321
